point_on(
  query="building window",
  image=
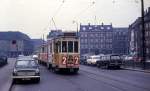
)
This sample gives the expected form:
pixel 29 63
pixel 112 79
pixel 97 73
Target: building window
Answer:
pixel 85 40
pixel 91 35
pixel 90 28
pixel 102 27
pixel 91 40
pixel 96 40
pixel 108 28
pixel 83 28
pixel 85 35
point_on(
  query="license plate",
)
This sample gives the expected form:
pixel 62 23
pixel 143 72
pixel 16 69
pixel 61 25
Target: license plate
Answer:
pixel 21 73
pixel 30 73
pixel 26 73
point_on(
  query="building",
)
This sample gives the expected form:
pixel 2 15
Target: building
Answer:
pixel 96 39
pixel 14 43
pixel 136 36
pixel 121 41
pixel 37 43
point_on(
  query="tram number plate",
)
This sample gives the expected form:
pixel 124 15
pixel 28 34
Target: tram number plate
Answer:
pixel 69 64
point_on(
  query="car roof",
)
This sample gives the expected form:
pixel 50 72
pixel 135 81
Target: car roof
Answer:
pixel 25 58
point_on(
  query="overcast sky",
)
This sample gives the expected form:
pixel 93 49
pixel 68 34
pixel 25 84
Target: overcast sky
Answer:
pixel 34 17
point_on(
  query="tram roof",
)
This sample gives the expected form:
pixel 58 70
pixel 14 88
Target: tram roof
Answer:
pixel 66 35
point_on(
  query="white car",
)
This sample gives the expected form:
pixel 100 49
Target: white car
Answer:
pixel 93 59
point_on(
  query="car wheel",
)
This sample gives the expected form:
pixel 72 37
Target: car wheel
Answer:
pixel 48 66
pixel 37 80
pixel 107 66
pixel 98 65
pixel 118 67
pixel 14 81
pixel 75 71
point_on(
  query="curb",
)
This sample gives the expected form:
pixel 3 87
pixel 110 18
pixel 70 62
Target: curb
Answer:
pixel 145 71
pixel 10 87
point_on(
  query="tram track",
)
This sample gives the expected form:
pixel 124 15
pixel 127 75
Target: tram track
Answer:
pixel 98 78
pixel 65 76
pixel 109 80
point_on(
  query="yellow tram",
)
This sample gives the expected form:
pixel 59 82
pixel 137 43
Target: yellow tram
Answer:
pixel 64 52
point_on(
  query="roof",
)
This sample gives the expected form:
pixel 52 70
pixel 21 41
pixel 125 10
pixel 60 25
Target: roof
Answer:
pixel 10 35
pixel 96 27
pixel 121 29
pixel 21 57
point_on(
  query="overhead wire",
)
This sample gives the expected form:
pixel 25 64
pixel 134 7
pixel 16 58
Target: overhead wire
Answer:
pixel 54 15
pixel 84 10
pixel 57 11
pixel 59 8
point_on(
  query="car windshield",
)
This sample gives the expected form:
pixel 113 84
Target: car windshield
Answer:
pixel 96 57
pixel 115 57
pixel 26 63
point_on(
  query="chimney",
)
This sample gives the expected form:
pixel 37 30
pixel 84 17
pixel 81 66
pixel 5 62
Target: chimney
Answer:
pixel 111 23
pixel 102 23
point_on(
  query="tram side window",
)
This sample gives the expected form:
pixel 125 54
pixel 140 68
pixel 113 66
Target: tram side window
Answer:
pixel 59 46
pixel 70 46
pixel 64 46
pixel 42 49
pixel 56 47
pixel 75 46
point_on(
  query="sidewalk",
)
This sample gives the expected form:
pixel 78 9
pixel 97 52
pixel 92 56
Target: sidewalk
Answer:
pixel 137 69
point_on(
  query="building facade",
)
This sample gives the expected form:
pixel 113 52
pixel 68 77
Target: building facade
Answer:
pixel 14 43
pixel 96 39
pixel 121 41
pixel 136 36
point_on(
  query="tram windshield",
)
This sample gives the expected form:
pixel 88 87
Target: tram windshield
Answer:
pixel 70 46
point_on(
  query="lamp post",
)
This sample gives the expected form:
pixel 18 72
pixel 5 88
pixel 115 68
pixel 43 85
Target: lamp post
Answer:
pixel 143 35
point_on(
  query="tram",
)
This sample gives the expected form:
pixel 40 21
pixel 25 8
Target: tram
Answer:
pixel 43 54
pixel 62 52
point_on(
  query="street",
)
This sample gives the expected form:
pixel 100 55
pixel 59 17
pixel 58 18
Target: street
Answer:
pixel 88 79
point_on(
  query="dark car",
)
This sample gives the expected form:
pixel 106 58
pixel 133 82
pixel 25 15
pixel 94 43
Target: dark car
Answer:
pixel 83 60
pixel 3 60
pixel 26 69
pixel 110 61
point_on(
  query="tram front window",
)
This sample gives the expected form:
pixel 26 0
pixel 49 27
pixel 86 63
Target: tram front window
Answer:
pixel 70 46
pixel 76 47
pixel 64 46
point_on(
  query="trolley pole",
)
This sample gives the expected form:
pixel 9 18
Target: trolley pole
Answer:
pixel 143 35
pixel 77 27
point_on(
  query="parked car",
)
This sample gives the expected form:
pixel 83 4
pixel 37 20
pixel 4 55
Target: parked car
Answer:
pixel 129 58
pixel 83 59
pixel 35 56
pixel 26 69
pixel 3 60
pixel 93 59
pixel 109 61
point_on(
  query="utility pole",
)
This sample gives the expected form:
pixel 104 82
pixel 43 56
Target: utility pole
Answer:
pixel 143 35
